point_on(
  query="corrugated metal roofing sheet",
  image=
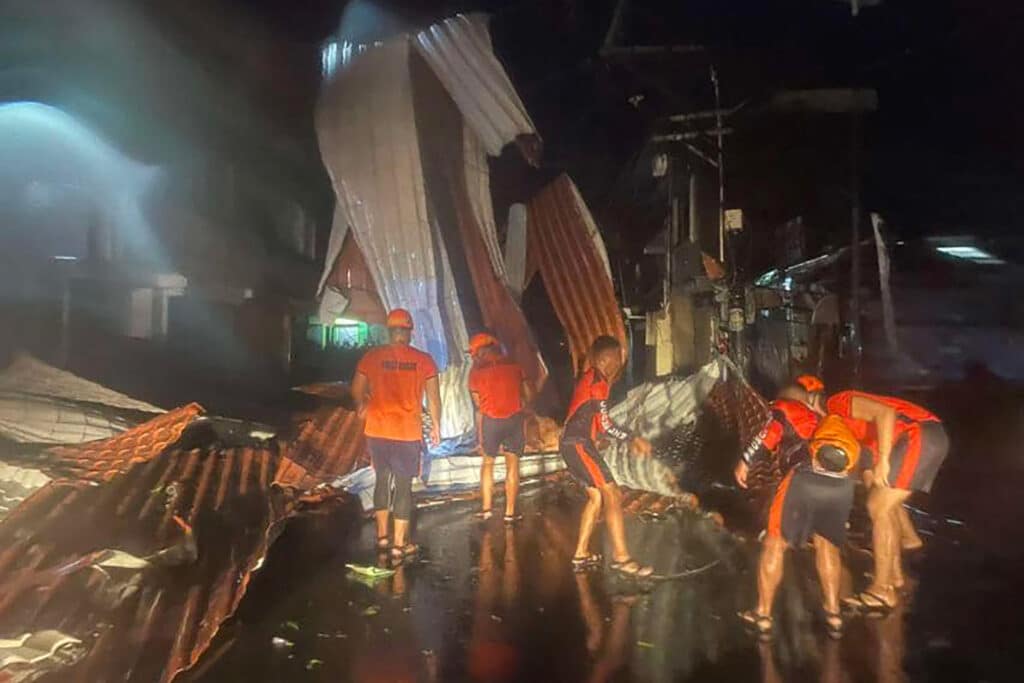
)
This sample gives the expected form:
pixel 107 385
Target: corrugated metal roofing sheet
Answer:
pixel 351 277
pixel 202 520
pixel 460 53
pixel 104 460
pixel 27 375
pixel 329 444
pixel 569 253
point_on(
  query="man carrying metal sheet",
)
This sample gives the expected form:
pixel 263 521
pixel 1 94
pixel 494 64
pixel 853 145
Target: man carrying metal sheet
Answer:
pixel 388 388
pixel 588 419
pixel 500 391
pixel 795 415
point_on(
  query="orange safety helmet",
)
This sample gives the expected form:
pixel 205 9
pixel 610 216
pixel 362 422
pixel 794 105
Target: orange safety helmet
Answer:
pixel 400 317
pixel 810 383
pixel 482 341
pixel 833 446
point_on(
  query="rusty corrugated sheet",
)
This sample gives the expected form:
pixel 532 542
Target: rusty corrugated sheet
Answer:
pixel 352 277
pixel 203 519
pixel 501 314
pixel 103 460
pixel 328 445
pixel 570 257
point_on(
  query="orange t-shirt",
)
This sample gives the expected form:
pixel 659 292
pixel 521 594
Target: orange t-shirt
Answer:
pixel 397 375
pixel 842 404
pixel 497 386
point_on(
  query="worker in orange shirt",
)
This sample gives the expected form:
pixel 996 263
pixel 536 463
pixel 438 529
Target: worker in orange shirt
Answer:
pixel 812 503
pixel 795 414
pixel 388 388
pixel 908 444
pixel 500 392
pixel 588 419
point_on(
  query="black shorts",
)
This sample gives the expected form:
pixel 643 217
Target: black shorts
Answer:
pixel 584 462
pixel 400 457
pixel 503 431
pixel 917 455
pixel 807 503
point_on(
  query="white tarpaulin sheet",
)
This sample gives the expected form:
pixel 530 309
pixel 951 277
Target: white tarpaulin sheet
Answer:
pixel 459 51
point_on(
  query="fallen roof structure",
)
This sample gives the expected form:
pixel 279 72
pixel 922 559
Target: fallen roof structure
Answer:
pixel 42 404
pixel 406 127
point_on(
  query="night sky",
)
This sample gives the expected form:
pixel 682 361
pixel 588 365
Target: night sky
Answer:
pixel 941 154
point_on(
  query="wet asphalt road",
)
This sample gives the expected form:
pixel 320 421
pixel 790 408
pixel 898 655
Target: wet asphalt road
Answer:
pixel 491 604
pixel 488 603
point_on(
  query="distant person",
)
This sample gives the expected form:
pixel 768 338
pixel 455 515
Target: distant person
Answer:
pixel 812 503
pixel 796 413
pixel 588 419
pixel 389 385
pixel 500 392
pixel 908 444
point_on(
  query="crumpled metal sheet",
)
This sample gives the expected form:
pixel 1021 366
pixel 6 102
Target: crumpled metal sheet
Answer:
pixel 207 516
pixel 30 376
pixel 653 410
pixel 25 418
pixel 460 53
pixel 566 246
pixel 368 141
pixel 17 484
pixel 329 444
pixel 351 278
pixel 662 410
pixel 104 460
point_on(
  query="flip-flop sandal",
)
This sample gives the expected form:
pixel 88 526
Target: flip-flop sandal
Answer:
pixel 834 624
pixel 483 515
pixel 868 602
pixel 761 623
pixel 631 569
pixel 512 519
pixel 586 563
pixel 406 551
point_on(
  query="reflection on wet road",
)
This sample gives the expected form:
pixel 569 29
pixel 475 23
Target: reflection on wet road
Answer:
pixel 494 604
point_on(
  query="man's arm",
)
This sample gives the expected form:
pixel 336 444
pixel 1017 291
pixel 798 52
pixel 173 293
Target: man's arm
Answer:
pixel 766 442
pixel 526 394
pixel 884 417
pixel 359 393
pixel 433 390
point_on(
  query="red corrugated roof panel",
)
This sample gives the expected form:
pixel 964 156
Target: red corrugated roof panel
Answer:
pixel 103 460
pixel 203 519
pixel 329 444
pixel 569 258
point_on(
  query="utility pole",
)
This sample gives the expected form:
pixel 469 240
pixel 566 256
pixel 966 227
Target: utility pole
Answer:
pixel 721 167
pixel 855 211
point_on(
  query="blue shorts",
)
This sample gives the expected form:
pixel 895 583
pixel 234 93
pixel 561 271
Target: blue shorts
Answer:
pixel 400 457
